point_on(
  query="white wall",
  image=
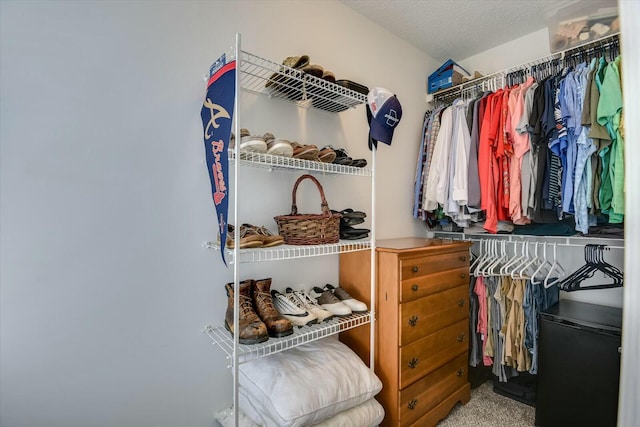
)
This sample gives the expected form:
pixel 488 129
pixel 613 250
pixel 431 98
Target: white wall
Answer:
pixel 519 51
pixel 629 407
pixel 105 200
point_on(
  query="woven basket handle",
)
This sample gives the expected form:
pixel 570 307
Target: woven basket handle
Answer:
pixel 324 205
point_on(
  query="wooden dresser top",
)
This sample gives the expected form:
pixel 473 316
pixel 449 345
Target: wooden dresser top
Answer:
pixel 421 244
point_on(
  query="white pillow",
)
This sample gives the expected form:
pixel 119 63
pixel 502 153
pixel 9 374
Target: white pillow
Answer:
pixel 305 385
pixel 367 414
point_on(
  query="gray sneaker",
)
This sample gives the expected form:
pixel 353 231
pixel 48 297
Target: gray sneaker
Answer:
pixel 355 305
pixel 330 302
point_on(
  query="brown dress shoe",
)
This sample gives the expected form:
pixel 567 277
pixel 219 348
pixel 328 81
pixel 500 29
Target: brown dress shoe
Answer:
pixel 251 329
pixel 277 325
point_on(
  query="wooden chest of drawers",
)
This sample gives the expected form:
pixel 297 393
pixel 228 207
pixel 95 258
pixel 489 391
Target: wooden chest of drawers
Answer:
pixel 422 323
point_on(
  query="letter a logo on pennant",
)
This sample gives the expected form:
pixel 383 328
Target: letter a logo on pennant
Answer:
pixel 216 113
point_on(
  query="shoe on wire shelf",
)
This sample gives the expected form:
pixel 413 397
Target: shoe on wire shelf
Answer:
pixel 330 302
pixel 311 305
pixel 292 308
pixel 355 305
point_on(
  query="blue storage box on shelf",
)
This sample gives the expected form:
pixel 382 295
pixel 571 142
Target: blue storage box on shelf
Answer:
pixel 449 74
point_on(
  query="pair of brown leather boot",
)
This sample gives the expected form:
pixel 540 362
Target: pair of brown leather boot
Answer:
pixel 258 318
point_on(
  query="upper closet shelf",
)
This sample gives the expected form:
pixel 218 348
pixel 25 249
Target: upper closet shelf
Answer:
pixel 268 161
pixel 282 252
pixel 259 75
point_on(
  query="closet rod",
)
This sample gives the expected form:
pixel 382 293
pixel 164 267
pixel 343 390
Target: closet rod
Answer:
pixel 565 241
pixel 473 84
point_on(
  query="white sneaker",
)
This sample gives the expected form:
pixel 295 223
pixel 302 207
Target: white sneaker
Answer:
pixel 330 302
pixel 280 147
pixel 355 305
pixel 311 305
pixel 253 143
pixel 292 308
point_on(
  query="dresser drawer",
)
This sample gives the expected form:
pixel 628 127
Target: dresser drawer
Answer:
pixel 423 395
pixel 431 352
pixel 426 315
pixel 420 266
pixel 421 286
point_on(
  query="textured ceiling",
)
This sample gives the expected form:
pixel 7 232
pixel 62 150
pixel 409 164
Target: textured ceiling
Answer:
pixel 455 29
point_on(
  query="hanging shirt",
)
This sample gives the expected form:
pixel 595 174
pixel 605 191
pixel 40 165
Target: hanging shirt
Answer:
pixel 592 167
pixel 505 154
pixel 487 166
pixel 422 157
pixel 559 146
pixel 474 179
pixel 459 164
pixel 585 149
pixel 437 180
pixel 530 159
pixel 520 147
pixel 609 112
pixel 605 193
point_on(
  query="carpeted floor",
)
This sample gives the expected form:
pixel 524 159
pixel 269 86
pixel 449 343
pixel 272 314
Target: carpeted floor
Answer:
pixel 489 409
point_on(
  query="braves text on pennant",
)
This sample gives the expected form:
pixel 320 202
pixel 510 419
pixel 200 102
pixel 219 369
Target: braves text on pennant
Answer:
pixel 216 148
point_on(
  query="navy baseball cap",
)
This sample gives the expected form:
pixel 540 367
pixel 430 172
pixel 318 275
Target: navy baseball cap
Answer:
pixel 383 113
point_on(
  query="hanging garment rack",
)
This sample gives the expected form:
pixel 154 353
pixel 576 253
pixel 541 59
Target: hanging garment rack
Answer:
pixel 558 60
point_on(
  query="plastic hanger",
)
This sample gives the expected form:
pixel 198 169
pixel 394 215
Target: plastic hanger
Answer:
pixel 529 266
pixel 475 259
pixel 540 271
pixel 482 258
pixel 515 271
pixel 595 262
pixel 549 281
pixel 502 257
pixel 491 259
pixel 516 260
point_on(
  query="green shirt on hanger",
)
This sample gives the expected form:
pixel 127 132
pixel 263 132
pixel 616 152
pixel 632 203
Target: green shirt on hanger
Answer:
pixel 609 112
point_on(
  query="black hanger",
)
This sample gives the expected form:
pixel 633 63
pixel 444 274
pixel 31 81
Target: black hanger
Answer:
pixel 594 258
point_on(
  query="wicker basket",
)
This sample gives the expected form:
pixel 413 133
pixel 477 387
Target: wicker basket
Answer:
pixel 309 229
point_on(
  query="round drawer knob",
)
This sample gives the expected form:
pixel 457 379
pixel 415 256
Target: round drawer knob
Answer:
pixel 463 275
pixel 414 288
pixel 460 302
pixel 463 258
pixel 460 337
pixel 460 372
pixel 415 269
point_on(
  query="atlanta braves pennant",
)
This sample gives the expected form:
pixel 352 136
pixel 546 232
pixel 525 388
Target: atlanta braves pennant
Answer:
pixel 217 117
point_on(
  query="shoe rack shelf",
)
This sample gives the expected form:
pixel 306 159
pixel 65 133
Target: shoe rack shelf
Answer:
pixel 300 336
pixel 271 162
pixel 262 76
pixel 283 252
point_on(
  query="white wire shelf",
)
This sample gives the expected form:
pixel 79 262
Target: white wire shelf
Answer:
pixel 268 161
pixel 558 240
pixel 223 338
pixel 282 252
pixel 259 75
